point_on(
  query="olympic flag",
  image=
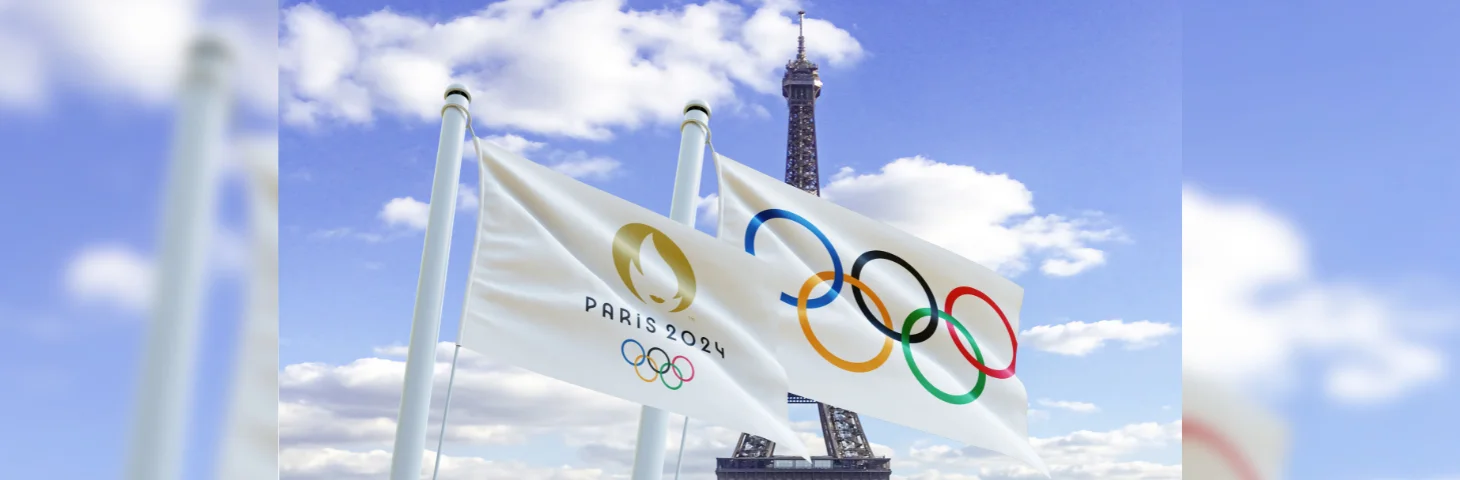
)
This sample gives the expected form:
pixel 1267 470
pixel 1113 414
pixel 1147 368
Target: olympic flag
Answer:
pixel 1225 436
pixel 871 306
pixel 563 282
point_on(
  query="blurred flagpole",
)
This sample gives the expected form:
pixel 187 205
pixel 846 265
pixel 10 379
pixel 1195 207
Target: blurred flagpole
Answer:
pixel 250 447
pixel 653 422
pixel 415 404
pixel 161 412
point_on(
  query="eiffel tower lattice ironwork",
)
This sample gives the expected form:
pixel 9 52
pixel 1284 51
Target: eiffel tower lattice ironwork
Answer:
pixel 849 455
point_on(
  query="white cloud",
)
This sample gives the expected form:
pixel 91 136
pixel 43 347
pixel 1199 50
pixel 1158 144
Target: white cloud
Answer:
pixel 23 84
pixel 355 404
pixel 129 49
pixel 1134 470
pixel 708 208
pixel 467 199
pixel 115 275
pixel 1080 338
pixel 607 66
pixel 1078 455
pixel 410 213
pixel 112 275
pixel 1077 407
pixel 346 232
pixel 132 47
pixel 577 164
pixel 352 408
pixel 1087 446
pixel 582 166
pixel 319 51
pixel 407 212
pixel 512 143
pixel 988 218
pixel 336 419
pixel 1251 307
pixel 338 464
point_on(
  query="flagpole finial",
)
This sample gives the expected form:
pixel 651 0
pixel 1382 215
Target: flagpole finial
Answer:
pixel 697 104
pixel 459 89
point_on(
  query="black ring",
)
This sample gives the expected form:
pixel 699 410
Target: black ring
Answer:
pixel 893 334
pixel 665 365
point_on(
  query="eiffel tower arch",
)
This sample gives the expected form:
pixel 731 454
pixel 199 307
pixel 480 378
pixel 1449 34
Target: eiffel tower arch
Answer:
pixel 848 454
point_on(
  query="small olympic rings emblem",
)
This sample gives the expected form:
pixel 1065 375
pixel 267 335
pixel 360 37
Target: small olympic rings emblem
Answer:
pixel 904 335
pixel 660 370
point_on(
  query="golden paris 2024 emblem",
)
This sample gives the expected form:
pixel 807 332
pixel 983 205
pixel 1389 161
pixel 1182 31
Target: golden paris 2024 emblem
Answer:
pixel 628 243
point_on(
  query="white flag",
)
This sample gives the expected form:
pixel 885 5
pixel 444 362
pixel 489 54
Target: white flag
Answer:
pixel 885 324
pixel 577 284
pixel 1225 436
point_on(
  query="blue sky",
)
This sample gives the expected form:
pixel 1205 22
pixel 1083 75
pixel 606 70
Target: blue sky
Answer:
pixel 1079 104
pixel 1339 117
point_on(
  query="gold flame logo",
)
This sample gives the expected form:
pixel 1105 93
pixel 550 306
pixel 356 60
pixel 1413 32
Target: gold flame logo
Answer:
pixel 626 246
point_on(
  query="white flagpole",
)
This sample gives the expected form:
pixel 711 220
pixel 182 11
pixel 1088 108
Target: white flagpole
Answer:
pixel 684 432
pixel 156 443
pixel 415 404
pixel 653 422
pixel 251 444
pixel 445 408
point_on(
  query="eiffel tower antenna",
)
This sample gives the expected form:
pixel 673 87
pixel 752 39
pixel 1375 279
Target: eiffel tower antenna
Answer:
pixel 801 36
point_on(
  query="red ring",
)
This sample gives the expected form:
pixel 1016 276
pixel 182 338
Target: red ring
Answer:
pixel 1200 432
pixel 674 361
pixel 948 307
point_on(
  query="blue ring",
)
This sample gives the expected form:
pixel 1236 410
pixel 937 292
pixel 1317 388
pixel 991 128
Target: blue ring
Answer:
pixel 836 262
pixel 645 355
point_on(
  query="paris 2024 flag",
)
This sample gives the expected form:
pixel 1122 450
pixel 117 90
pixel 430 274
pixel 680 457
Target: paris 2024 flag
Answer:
pixel 883 323
pixel 576 284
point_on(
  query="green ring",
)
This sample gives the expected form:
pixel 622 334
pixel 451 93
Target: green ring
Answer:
pixel 664 373
pixel 907 353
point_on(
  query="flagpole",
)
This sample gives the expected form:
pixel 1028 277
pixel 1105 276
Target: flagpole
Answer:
pixel 248 452
pixel 653 422
pixel 445 408
pixel 684 432
pixel 415 405
pixel 156 444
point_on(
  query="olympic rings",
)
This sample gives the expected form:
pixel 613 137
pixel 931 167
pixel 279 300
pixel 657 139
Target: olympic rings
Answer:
pixel 906 337
pixel 836 261
pixel 966 398
pixel 660 373
pixel 862 261
pixel 854 367
pixel 978 363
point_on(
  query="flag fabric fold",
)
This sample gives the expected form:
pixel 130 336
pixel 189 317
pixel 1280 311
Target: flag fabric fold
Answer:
pixel 576 284
pixel 881 322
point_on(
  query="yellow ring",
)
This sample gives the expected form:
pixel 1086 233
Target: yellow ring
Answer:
pixel 651 367
pixel 855 367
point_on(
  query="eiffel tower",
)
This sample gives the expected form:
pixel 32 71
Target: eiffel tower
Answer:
pixel 849 455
